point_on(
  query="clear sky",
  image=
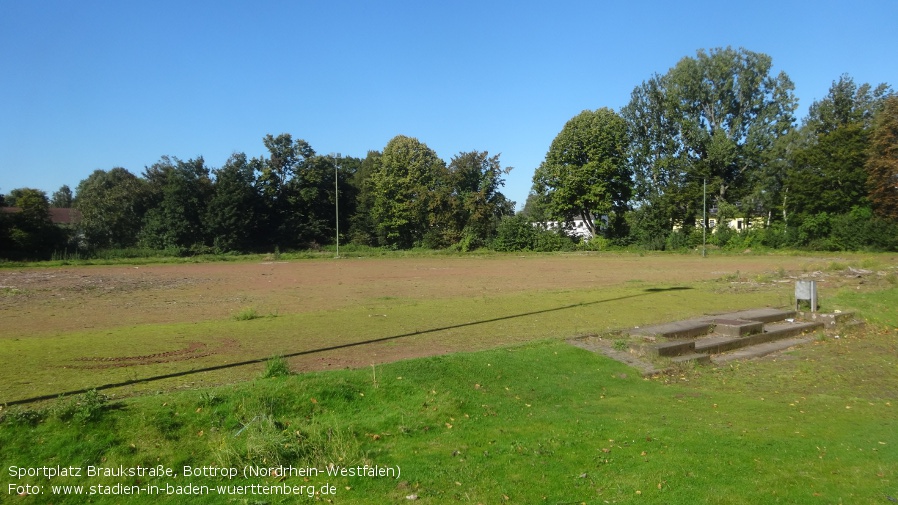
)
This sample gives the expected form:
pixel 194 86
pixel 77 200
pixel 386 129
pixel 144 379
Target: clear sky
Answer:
pixel 88 85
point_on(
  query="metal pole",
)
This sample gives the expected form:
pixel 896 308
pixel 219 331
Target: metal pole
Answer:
pixel 704 215
pixel 337 199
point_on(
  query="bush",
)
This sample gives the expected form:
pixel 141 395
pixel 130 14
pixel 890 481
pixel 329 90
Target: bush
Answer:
pixel 514 233
pixel 549 241
pixel 814 231
pixel 859 229
pixel 682 239
pixel 649 228
pixel 594 244
pixel 778 235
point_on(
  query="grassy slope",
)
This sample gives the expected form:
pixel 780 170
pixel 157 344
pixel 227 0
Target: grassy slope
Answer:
pixel 537 423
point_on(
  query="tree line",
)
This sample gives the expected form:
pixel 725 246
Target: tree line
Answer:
pixel 401 197
pixel 716 131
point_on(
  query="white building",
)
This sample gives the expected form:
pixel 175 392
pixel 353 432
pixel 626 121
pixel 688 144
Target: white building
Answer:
pixel 576 228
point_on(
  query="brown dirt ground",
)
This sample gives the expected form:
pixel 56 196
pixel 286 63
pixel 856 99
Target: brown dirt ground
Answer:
pixel 53 301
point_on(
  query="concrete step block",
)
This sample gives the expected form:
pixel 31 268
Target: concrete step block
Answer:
pixel 676 330
pixel 766 315
pixel 737 327
pixel 785 330
pixel 674 348
pixel 697 358
pixel 830 320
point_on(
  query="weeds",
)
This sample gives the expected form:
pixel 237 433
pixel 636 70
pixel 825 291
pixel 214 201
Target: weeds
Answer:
pixel 82 408
pixel 733 277
pixel 266 440
pixel 247 314
pixel 210 399
pixel 24 416
pixel 276 366
pixel 835 266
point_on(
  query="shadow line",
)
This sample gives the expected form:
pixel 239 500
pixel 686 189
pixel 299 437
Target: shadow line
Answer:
pixel 647 291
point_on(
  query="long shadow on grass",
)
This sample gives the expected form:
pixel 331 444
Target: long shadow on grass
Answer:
pixel 647 291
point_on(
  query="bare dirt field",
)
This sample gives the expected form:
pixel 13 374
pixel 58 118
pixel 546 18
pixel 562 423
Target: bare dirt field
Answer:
pixel 61 323
pixel 41 300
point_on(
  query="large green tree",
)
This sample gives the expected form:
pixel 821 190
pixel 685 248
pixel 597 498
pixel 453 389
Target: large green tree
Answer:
pixel 231 219
pixel 410 185
pixel 826 171
pixel 477 204
pixel 179 192
pixel 362 229
pixel 585 174
pixel 112 205
pixel 714 117
pixel 882 162
pixel 285 158
pixel 62 198
pixel 29 233
pixel 297 188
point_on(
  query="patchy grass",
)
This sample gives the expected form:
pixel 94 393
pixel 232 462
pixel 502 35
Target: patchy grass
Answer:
pixel 878 307
pixel 393 328
pixel 535 423
pixel 9 291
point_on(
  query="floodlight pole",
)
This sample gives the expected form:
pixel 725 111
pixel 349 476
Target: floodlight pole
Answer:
pixel 337 199
pixel 704 213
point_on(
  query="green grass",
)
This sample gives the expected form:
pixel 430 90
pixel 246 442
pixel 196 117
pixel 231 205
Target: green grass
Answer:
pixel 536 423
pixel 55 363
pixel 530 422
pixel 880 309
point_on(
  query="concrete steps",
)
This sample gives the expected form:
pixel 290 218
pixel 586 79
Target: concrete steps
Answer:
pixel 718 338
pixel 717 344
pixel 700 339
pixel 757 351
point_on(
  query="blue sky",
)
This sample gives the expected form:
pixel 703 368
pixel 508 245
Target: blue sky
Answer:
pixel 88 85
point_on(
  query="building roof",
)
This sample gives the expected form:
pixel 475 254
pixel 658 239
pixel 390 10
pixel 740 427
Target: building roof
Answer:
pixel 58 215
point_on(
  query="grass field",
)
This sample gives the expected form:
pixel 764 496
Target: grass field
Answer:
pixel 524 419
